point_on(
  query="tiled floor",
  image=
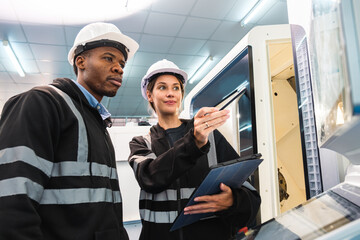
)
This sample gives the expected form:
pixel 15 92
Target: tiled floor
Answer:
pixel 133 229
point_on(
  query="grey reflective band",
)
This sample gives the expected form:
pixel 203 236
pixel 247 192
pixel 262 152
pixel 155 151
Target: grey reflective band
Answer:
pixel 82 154
pixel 167 195
pixel 147 139
pixel 158 217
pixel 61 169
pixel 24 186
pixel 138 159
pixel 64 169
pixel 26 155
pixel 79 195
pixel 248 186
pixel 19 186
pixel 212 158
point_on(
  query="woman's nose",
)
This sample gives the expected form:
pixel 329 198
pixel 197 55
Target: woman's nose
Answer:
pixel 170 93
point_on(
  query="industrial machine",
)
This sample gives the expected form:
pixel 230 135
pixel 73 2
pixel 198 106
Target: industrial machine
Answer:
pixel 302 97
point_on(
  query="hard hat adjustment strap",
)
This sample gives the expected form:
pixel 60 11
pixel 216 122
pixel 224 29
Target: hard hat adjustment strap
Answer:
pixel 101 43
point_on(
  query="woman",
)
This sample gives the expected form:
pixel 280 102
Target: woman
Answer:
pixel 171 161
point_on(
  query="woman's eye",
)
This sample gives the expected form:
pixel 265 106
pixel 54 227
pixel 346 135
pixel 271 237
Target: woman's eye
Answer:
pixel 176 88
pixel 162 87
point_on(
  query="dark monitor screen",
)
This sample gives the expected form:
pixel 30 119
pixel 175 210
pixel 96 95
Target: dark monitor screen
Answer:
pixel 237 74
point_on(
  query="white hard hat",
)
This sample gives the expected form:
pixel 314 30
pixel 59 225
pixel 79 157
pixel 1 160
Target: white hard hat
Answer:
pixel 162 66
pixel 102 34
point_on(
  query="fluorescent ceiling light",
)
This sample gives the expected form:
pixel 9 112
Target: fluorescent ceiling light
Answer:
pixel 253 12
pixel 13 58
pixel 201 69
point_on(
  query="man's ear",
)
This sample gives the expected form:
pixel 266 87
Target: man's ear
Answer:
pixel 80 62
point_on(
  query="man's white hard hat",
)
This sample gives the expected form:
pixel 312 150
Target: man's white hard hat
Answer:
pixel 102 34
pixel 162 66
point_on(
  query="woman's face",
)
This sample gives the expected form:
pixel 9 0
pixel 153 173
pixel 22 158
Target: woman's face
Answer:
pixel 166 95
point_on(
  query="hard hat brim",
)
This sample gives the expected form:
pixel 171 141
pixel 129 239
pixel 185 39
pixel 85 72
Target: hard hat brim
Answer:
pixel 128 42
pixel 148 76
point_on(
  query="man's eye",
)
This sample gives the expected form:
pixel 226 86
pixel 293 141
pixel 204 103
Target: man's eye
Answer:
pixel 109 59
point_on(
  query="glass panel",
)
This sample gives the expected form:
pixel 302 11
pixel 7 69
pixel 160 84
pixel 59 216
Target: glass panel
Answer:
pixel 236 75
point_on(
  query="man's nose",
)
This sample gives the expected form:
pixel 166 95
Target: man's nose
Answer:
pixel 117 68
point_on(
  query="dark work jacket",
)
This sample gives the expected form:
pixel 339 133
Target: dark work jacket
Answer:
pixel 57 167
pixel 169 175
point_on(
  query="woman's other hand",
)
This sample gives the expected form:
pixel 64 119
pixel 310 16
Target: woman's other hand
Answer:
pixel 212 203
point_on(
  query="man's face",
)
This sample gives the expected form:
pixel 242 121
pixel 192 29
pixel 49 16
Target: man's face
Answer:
pixel 101 71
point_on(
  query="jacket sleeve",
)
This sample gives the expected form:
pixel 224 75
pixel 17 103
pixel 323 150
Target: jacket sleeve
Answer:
pixel 28 136
pixel 246 199
pixel 155 173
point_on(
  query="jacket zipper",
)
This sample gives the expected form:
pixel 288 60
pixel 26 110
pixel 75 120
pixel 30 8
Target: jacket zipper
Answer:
pixel 109 159
pixel 178 196
pixel 181 234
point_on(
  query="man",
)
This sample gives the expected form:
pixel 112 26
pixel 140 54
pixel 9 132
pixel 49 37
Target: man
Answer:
pixel 58 176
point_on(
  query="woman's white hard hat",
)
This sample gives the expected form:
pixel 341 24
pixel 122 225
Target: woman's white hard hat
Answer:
pixel 162 66
pixel 102 34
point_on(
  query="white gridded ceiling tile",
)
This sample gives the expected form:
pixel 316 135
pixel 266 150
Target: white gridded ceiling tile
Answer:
pixel 45 34
pixel 29 66
pixel 146 59
pixel 22 51
pixel 8 66
pixel 132 23
pixel 133 83
pixel 272 16
pixel 213 9
pixel 31 80
pixel 2 68
pixel 54 67
pixel 176 7
pixel 199 28
pixel 70 35
pixel 11 32
pixel 49 53
pixel 216 49
pixel 229 32
pixel 158 44
pixel 5 79
pixel 138 71
pixel 131 92
pixel 182 61
pixel 163 24
pixel 187 46
pixel 240 10
pixel 127 70
pixel 134 36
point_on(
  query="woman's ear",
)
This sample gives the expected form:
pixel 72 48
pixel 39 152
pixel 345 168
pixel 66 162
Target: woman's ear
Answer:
pixel 149 96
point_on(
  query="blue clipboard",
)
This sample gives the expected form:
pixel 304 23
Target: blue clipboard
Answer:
pixel 233 174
